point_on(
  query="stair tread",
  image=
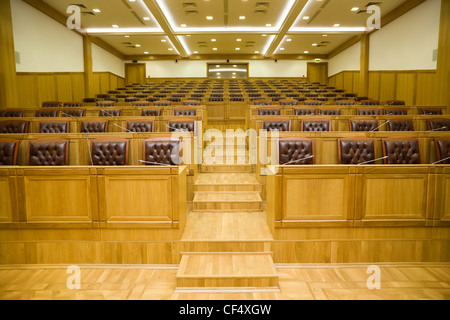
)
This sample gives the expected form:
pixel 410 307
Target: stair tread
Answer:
pixel 226 179
pixel 225 196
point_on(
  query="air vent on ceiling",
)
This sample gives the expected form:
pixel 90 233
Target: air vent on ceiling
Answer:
pixel 373 3
pixel 262 5
pixel 189 5
pixel 191 12
pixel 126 43
pixel 361 11
pixel 88 12
pixel 79 5
pixel 260 12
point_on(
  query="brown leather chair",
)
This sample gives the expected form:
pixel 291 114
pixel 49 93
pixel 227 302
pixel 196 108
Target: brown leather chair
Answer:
pixel 110 112
pixel 430 111
pixel 109 152
pixel 269 111
pixel 442 150
pixel 305 111
pixel 140 104
pixel 296 151
pixel 11 114
pixel 106 103
pixel 191 103
pixel 369 111
pixel 162 151
pixel 277 125
pixel 140 126
pixel 73 104
pixel 363 124
pixel 263 103
pixel 184 112
pixel 182 125
pixel 48 152
pixel 51 104
pixel 131 99
pixel 162 103
pixel 396 111
pixel 316 125
pixel 345 102
pixel 395 102
pixel 8 152
pixel 54 127
pixel 152 112
pixel 401 151
pixel 94 126
pixel 370 103
pixel 438 124
pixel 356 150
pixel 14 126
pixel 400 125
pixel 46 113
pixel 313 103
pixel 329 112
pixel 288 102
pixel 73 113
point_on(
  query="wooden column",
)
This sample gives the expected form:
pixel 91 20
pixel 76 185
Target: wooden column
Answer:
pixel 8 77
pixel 364 68
pixel 443 63
pixel 88 73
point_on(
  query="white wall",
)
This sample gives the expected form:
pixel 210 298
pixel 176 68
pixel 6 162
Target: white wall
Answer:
pixel 348 60
pixel 103 61
pixel 198 68
pixel 408 42
pixel 44 45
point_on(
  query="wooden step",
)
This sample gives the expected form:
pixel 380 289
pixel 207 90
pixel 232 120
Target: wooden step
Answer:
pixel 227 200
pixel 217 168
pixel 226 270
pixel 227 182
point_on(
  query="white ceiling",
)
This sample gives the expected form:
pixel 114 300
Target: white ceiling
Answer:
pixel 187 30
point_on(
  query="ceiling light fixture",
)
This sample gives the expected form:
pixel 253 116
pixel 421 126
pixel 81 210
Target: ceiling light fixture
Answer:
pixel 96 10
pixel 242 18
pixel 209 18
pixel 146 18
pixel 354 9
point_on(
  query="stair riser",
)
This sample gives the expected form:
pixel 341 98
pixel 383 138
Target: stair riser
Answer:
pixel 227 282
pixel 227 188
pixel 227 206
pixel 219 169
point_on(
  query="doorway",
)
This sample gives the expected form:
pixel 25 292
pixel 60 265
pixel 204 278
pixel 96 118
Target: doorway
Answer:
pixel 318 72
pixel 135 73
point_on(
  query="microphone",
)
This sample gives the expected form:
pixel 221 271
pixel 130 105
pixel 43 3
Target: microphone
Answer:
pixel 178 129
pixel 359 164
pixel 107 113
pixel 156 163
pixel 89 150
pixel 296 161
pixel 122 128
pixel 439 129
pixel 373 130
pixel 67 115
pixel 448 158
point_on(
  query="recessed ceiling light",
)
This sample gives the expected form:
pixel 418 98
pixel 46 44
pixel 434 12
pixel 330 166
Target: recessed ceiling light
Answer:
pixel 137 45
pixel 324 35
pixel 126 36
pixel 145 52
pixel 209 18
pixel 195 52
pixel 170 49
pixel 256 52
pixel 282 49
pixel 336 25
pixel 115 26
pixel 305 18
pixel 146 18
pixel 242 18
pixel 215 49
pixel 96 10
pixel 306 52
pixel 288 40
pixel 355 9
pixel 217 66
pixel 163 40
pixel 264 35
pixel 238 40
pixel 238 49
pixel 218 73
pixel 183 25
pixel 188 35
pixel 268 25
pixel 314 44
pixel 234 66
pixel 213 40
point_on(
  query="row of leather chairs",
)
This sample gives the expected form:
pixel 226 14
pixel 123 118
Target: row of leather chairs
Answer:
pixel 354 151
pixel 109 103
pixel 362 111
pixel 103 152
pixel 356 124
pixel 95 126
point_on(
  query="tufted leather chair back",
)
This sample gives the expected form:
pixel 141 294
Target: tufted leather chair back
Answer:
pixel 345 102
pixel 109 152
pixel 51 104
pixel 396 103
pixel 363 125
pixel 400 125
pixel 304 111
pixel 140 104
pixel 102 96
pixel 316 125
pixel 329 112
pixel 54 127
pixel 293 151
pixel 396 111
pixel 370 103
pixel 262 103
pixel 90 100
pixel 105 104
pixel 46 113
pixel 71 113
pixel 11 114
pixel 356 150
pixel 179 112
pixel 431 111
pixel 438 124
pixel 15 126
pixel 442 150
pixel 182 126
pixel 288 102
pixel 163 103
pixel 48 152
pixel 369 111
pixel 94 126
pixel 151 112
pixel 401 151
pixel 277 125
pixel 140 126
pixel 8 152
pixel 313 103
pixel 131 99
pixel 162 150
pixel 191 103
pixel 73 104
pixel 110 113
pixel 269 112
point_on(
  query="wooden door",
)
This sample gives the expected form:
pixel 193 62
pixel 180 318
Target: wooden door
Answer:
pixel 318 72
pixel 135 73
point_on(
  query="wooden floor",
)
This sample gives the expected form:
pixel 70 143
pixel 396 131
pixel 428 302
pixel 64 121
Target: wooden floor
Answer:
pixel 307 282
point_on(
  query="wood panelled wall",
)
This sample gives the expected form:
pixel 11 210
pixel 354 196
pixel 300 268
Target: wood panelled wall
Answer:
pixel 34 88
pixel 416 87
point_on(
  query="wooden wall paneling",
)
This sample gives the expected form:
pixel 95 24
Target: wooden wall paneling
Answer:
pixel 387 85
pixel 442 203
pixel 340 80
pixel 348 81
pixel 356 82
pixel 113 82
pixel 443 62
pixel 7 196
pixel 405 88
pixel 426 89
pixel 374 85
pixel 27 90
pixel 88 73
pixel 46 88
pixel 64 87
pixel 78 87
pixel 96 87
pixel 363 86
pixel 104 82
